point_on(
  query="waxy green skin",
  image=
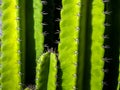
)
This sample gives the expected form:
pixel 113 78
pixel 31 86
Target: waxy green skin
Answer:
pixel 38 28
pixel 68 46
pixel 0 44
pixel 52 78
pixel 10 47
pixel 46 72
pixel 97 62
pixel 0 60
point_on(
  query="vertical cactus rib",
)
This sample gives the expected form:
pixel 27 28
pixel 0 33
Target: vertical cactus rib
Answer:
pixel 10 46
pixel 46 72
pixel 38 28
pixel 97 49
pixel 0 61
pixel 68 45
pixel 42 72
pixel 0 37
pixel 22 39
pixel 52 78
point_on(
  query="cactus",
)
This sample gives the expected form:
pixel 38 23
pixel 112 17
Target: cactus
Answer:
pixel 38 28
pixel 46 72
pixel 60 45
pixel 0 41
pixel 10 45
pixel 97 50
pixel 68 43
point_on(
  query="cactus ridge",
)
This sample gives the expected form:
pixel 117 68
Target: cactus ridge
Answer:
pixel 97 48
pixel 68 46
pixel 10 66
pixel 46 72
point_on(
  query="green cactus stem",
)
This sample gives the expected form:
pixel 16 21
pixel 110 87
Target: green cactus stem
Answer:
pixel 68 46
pixel 38 27
pixel 10 46
pixel 0 38
pixel 46 72
pixel 97 50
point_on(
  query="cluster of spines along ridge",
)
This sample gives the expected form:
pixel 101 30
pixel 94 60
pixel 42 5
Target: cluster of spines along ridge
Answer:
pixel 111 44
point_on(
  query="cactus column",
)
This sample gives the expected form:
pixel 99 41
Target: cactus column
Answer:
pixel 68 47
pixel 10 46
pixel 46 72
pixel 97 50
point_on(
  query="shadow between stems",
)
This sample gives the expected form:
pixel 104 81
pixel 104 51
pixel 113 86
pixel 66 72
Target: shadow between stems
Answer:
pixel 30 64
pixel 87 55
pixel 59 76
pixel 111 77
pixel 87 51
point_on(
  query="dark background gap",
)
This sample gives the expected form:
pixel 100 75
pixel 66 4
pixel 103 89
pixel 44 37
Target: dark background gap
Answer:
pixel 111 75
